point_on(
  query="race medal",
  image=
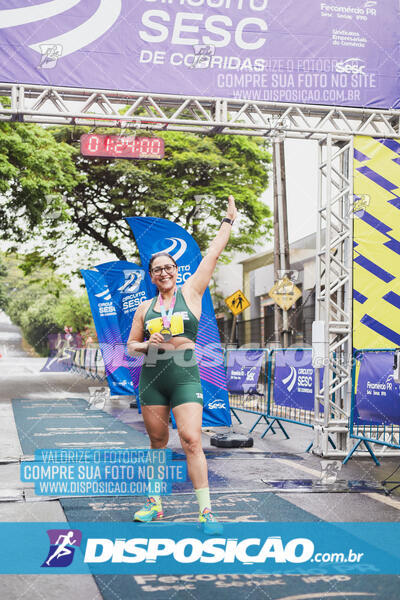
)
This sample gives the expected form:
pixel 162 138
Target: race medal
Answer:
pixel 166 318
pixel 166 333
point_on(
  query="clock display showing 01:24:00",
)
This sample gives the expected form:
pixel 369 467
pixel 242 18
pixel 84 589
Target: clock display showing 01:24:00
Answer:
pixel 115 146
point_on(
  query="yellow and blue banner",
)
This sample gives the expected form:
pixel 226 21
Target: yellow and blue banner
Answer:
pixel 376 266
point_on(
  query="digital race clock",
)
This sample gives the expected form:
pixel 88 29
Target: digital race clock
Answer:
pixel 115 146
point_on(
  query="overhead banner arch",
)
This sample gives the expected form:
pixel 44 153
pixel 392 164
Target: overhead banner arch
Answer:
pixel 338 52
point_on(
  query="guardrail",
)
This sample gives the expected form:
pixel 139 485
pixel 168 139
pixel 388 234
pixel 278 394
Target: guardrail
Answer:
pixel 89 362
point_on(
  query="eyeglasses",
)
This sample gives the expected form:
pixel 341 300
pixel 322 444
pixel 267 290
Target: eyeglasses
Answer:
pixel 167 268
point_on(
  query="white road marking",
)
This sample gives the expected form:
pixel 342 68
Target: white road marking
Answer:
pixel 393 502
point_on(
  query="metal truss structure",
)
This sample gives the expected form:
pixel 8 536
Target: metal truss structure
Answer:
pixel 333 127
pixel 73 106
pixel 333 296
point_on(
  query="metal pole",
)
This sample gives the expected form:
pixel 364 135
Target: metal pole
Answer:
pixel 277 310
pixel 233 329
pixel 282 222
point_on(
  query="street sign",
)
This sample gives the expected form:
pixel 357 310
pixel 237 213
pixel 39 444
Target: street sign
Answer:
pixel 237 302
pixel 284 293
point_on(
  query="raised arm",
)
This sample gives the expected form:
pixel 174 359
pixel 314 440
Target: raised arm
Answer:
pixel 199 281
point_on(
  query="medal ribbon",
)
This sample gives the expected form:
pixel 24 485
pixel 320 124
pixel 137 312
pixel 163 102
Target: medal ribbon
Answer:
pixel 166 316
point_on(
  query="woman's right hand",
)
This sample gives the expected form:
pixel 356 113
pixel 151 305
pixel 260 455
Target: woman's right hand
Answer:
pixel 155 339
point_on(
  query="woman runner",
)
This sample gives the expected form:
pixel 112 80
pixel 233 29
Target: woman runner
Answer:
pixel 171 381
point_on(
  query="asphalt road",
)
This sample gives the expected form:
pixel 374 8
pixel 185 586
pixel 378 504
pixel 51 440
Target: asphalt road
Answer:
pixel 271 460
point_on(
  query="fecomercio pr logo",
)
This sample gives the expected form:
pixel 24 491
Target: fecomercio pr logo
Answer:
pixel 62 547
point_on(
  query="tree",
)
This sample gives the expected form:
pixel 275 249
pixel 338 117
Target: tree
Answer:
pixel 35 170
pixel 73 311
pixel 189 186
pixel 3 287
pixel 40 302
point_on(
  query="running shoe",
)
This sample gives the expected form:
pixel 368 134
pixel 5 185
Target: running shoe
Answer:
pixel 151 511
pixel 209 523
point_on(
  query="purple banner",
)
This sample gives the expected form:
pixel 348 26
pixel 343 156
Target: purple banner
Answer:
pixel 243 370
pixel 294 379
pixel 338 52
pixel 378 396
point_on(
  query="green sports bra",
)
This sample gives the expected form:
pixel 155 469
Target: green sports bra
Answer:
pixel 190 322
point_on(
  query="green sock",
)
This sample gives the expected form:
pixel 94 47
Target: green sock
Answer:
pixel 203 498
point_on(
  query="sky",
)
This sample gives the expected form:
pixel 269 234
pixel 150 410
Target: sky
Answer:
pixel 301 162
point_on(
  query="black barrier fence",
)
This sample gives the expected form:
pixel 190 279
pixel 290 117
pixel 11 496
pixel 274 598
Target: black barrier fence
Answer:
pixel 260 331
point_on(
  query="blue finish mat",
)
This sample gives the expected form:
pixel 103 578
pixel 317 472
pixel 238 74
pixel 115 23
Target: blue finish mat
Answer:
pixel 230 506
pixel 67 423
pixel 248 587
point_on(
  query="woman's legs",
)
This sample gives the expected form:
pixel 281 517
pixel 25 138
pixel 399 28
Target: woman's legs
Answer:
pixel 156 418
pixel 188 418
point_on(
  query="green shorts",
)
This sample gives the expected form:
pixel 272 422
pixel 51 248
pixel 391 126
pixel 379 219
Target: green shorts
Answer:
pixel 170 378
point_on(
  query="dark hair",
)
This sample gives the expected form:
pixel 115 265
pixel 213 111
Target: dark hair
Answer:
pixel 160 254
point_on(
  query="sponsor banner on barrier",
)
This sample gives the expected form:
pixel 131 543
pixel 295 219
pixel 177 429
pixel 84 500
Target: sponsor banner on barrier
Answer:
pixel 243 370
pixel 108 333
pixel 165 548
pixel 377 398
pixel 153 235
pixel 338 52
pixel 294 379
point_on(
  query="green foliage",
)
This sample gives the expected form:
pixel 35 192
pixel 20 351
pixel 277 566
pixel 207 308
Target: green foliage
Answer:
pixel 3 287
pixel 190 186
pixel 34 171
pixel 40 302
pixel 73 311
pixel 38 321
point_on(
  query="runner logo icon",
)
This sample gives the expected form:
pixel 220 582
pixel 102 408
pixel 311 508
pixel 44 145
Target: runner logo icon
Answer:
pixel 132 282
pixel 62 547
